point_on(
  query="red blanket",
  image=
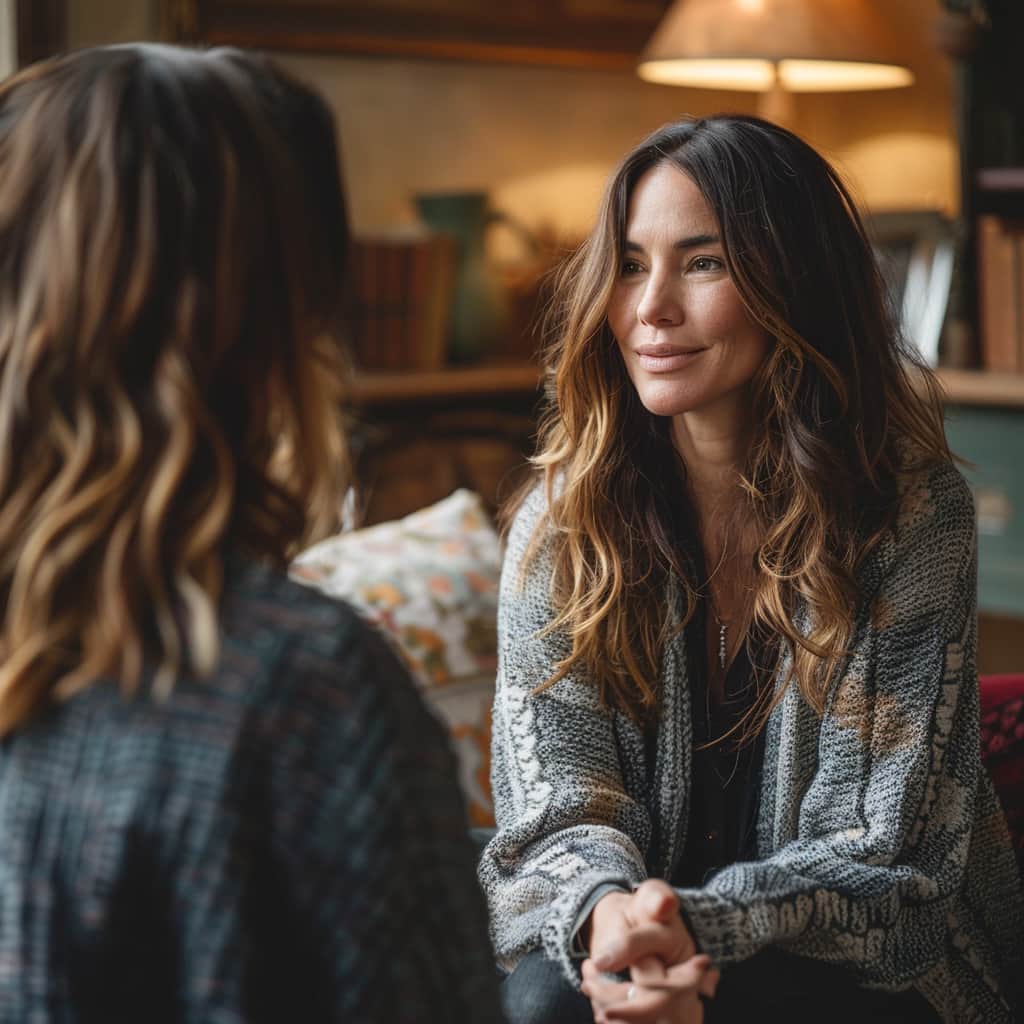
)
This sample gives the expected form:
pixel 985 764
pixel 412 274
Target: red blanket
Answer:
pixel 1002 747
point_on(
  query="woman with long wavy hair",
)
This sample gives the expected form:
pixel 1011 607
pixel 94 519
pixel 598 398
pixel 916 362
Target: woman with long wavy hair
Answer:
pixel 736 728
pixel 220 797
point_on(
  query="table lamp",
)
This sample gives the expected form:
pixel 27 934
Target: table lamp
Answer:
pixel 775 48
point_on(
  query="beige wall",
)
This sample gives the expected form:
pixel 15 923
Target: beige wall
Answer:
pixel 898 146
pixel 8 45
pixel 542 140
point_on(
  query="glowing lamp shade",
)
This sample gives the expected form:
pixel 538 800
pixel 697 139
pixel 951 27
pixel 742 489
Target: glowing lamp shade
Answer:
pixel 760 45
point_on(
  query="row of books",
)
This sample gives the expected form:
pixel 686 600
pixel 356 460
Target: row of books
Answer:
pixel 402 292
pixel 1001 292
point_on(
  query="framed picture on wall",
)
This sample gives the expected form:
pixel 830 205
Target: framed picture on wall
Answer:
pixel 583 33
pixel 915 251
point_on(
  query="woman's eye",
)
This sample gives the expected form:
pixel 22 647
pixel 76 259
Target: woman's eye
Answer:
pixel 706 263
pixel 630 267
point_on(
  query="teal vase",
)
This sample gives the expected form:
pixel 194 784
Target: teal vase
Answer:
pixel 479 306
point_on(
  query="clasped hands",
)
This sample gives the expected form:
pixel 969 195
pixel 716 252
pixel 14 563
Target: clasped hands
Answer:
pixel 644 932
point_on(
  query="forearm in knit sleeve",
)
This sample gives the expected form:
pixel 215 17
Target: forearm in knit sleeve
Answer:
pixel 565 821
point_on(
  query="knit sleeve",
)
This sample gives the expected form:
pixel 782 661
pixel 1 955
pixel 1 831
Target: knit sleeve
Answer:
pixel 884 828
pixel 373 865
pixel 565 821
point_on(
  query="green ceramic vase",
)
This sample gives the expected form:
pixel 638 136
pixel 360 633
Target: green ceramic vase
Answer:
pixel 480 308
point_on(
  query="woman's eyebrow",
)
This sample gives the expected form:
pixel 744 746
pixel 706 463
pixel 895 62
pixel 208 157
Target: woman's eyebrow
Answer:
pixel 684 243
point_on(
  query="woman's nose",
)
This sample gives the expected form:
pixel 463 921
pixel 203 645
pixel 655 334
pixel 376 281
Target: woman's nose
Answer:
pixel 659 304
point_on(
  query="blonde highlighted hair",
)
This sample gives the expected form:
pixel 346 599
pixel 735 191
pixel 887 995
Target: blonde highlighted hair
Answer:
pixel 172 242
pixel 836 416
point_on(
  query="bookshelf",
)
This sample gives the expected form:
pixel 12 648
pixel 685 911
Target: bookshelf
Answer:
pixel 985 421
pixel 983 42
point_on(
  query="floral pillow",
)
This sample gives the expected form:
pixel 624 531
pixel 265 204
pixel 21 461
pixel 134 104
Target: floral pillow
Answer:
pixel 430 582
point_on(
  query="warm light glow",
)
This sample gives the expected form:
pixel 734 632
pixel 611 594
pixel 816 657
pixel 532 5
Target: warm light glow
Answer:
pixel 777 46
pixel 759 75
pixel 749 75
pixel 837 76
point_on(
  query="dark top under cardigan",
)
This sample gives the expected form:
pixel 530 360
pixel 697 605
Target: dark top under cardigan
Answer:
pixel 283 841
pixel 725 780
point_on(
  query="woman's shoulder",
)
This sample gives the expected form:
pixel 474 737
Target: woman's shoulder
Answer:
pixel 532 506
pixel 933 496
pixel 931 526
pixel 530 527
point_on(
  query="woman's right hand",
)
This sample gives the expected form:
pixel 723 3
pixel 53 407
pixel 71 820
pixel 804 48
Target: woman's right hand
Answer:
pixel 643 932
pixel 626 927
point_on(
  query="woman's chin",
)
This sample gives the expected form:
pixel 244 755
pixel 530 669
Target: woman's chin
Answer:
pixel 671 400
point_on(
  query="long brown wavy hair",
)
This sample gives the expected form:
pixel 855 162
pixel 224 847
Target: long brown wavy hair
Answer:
pixel 839 409
pixel 173 241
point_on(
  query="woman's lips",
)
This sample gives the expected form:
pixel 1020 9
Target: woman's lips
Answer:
pixel 666 360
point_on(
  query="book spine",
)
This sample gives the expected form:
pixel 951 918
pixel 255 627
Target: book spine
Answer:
pixel 415 300
pixel 1019 277
pixel 403 311
pixel 375 355
pixel 402 292
pixel 999 293
pixel 390 297
pixel 361 312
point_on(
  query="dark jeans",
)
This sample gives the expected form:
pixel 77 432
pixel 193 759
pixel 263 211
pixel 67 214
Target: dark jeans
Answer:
pixel 770 986
pixel 536 992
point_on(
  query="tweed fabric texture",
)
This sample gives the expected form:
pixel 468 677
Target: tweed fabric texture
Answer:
pixel 880 842
pixel 284 841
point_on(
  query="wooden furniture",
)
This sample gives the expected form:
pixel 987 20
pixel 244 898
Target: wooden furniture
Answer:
pixel 419 436
pixel 585 33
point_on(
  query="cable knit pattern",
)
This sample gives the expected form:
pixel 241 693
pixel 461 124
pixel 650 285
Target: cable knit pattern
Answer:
pixel 881 843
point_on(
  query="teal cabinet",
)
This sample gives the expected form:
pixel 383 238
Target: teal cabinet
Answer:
pixel 992 441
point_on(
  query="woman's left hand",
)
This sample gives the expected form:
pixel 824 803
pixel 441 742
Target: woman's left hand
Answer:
pixel 656 994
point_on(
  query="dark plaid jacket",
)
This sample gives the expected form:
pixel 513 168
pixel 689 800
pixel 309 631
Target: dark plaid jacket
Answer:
pixel 282 842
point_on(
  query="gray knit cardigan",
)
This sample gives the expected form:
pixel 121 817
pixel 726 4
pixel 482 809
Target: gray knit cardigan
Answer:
pixel 881 843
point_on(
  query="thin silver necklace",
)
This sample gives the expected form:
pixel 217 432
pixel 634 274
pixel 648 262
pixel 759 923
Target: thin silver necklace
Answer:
pixel 723 632
pixel 722 624
pixel 723 629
